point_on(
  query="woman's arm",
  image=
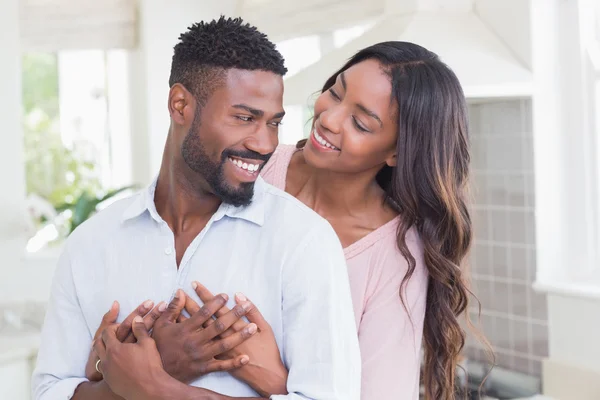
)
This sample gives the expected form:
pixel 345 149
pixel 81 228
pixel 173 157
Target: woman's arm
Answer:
pixel 389 336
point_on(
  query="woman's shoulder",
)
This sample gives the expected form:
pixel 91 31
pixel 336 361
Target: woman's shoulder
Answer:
pixel 389 265
pixel 275 169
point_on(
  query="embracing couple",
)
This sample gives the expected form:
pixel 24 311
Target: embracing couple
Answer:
pixel 251 270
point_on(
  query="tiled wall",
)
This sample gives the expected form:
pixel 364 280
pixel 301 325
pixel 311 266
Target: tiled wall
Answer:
pixel 514 316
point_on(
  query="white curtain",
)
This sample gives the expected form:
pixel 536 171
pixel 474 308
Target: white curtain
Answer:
pixel 51 25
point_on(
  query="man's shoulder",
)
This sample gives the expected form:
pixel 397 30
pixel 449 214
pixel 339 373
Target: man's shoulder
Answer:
pixel 291 215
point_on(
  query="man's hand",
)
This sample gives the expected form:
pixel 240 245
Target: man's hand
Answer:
pixel 265 372
pixel 188 349
pixel 123 332
pixel 131 370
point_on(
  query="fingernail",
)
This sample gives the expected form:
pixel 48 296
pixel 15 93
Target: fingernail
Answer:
pixel 138 319
pixel 148 304
pixel 224 296
pixel 162 306
pixel 246 305
pixel 114 305
pixel 252 329
pixel 244 360
pixel 194 285
pixel 241 296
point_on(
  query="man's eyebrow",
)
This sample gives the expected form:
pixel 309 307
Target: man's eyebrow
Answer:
pixel 370 114
pixel 256 112
pixel 253 111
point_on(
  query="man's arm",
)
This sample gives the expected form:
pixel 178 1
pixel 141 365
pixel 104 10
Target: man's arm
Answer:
pixel 135 370
pixel 320 343
pixel 65 341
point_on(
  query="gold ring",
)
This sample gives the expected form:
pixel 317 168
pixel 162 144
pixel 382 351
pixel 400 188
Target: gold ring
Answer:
pixel 97 365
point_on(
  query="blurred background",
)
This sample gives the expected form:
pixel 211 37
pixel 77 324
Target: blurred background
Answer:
pixel 83 90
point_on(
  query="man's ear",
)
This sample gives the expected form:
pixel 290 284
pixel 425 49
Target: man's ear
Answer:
pixel 182 105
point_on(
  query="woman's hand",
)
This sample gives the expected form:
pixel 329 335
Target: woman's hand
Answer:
pixel 123 331
pixel 265 372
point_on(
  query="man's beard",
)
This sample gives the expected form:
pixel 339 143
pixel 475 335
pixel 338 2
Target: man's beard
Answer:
pixel 195 156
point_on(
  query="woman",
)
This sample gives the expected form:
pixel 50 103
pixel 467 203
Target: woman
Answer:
pixel 387 164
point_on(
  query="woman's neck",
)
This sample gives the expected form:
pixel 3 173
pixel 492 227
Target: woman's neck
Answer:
pixel 332 193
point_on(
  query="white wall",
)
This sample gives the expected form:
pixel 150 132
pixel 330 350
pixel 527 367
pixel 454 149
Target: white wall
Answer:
pixel 161 23
pixel 12 177
pixel 510 21
pixel 565 201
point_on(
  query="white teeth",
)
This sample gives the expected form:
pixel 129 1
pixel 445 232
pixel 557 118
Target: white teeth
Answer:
pixel 323 141
pixel 246 166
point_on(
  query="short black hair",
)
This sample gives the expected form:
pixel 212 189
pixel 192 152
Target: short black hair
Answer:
pixel 208 49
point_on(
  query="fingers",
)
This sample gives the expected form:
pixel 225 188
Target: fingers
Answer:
pixel 224 345
pixel 206 312
pixel 149 320
pixel 107 339
pixel 109 318
pixel 182 318
pixel 191 306
pixel 225 365
pixel 206 296
pixel 253 314
pixel 139 329
pixel 99 348
pixel 174 308
pixel 125 326
pixel 222 324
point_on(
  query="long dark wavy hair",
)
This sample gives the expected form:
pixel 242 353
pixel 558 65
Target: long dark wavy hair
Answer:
pixel 429 188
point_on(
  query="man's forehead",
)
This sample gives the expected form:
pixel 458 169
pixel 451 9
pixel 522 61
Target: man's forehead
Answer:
pixel 258 89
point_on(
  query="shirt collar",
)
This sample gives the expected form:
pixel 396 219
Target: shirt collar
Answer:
pixel 254 212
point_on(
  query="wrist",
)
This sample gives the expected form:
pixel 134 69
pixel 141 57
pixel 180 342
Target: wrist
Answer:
pixel 265 382
pixel 162 387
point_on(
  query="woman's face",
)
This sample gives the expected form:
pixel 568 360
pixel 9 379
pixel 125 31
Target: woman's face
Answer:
pixel 354 128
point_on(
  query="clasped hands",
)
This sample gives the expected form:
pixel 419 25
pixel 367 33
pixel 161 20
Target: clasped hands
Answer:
pixel 153 343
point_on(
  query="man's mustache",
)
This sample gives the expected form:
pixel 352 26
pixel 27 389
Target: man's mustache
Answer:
pixel 247 154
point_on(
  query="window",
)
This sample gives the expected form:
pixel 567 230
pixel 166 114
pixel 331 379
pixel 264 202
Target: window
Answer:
pixel 76 132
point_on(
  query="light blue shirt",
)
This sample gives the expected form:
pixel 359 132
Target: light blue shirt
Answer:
pixel 282 255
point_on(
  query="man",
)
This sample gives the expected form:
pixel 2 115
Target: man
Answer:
pixel 209 217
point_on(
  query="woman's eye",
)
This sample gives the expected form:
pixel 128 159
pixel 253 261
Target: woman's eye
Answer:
pixel 334 94
pixel 359 126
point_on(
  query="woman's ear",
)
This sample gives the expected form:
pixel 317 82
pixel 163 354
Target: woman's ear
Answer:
pixel 391 161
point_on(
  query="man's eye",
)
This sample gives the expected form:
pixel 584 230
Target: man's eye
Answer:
pixel 244 118
pixel 277 123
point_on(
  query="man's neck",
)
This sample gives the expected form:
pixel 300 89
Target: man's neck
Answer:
pixel 181 200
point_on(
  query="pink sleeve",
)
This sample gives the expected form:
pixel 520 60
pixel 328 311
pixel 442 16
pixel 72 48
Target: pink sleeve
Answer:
pixel 390 343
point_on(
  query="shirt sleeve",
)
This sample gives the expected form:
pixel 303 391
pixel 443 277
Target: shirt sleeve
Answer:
pixel 390 337
pixel 65 340
pixel 320 344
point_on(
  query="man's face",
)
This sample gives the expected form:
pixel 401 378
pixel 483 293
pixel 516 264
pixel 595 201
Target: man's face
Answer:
pixel 235 133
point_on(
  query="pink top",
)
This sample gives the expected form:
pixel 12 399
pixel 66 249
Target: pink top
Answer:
pixel 390 338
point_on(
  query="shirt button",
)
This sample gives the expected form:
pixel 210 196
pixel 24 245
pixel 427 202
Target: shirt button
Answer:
pixel 168 251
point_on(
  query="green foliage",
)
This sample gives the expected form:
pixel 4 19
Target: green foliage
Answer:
pixel 85 205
